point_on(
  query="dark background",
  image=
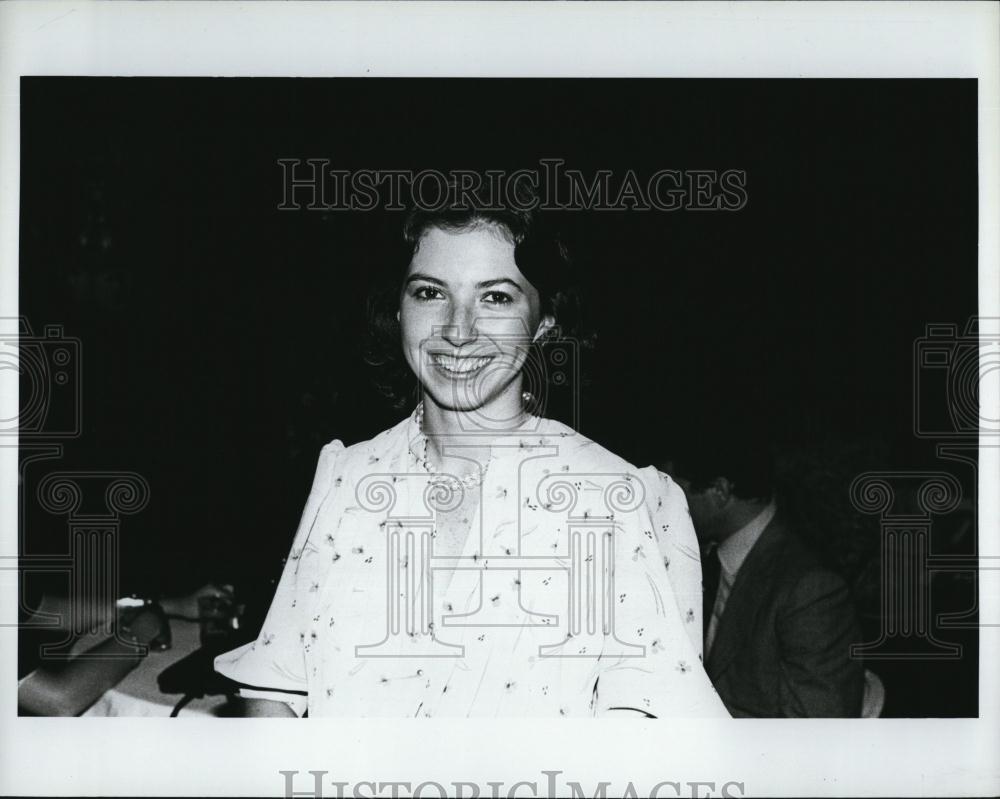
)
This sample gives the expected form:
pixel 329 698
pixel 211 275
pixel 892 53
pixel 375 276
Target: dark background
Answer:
pixel 221 337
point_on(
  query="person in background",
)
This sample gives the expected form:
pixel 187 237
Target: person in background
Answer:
pixel 55 686
pixel 778 623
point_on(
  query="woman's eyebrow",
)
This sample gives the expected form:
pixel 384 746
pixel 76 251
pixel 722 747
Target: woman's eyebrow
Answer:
pixel 422 276
pixel 499 281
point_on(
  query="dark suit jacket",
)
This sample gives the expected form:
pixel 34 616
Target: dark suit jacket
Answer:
pixel 782 646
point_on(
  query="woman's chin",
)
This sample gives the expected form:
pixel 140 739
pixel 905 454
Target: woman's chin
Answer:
pixel 467 405
pixel 484 411
pixel 465 396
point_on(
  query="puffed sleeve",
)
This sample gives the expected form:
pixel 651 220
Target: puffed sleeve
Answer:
pixel 674 532
pixel 273 666
pixel 652 662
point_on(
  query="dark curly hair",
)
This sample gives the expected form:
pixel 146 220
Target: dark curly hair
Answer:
pixel 540 252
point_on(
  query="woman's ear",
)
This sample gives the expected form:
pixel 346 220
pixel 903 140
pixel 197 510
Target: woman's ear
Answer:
pixel 397 316
pixel 548 322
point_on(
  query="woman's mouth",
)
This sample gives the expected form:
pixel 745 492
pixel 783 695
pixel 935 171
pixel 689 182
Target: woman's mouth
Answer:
pixel 460 366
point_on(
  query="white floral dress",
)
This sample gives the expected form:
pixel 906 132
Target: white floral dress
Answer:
pixel 576 591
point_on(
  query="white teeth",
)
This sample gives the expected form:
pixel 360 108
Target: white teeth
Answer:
pixel 461 365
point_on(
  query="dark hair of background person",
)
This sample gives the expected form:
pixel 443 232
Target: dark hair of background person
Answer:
pixel 765 456
pixel 541 252
pixel 728 441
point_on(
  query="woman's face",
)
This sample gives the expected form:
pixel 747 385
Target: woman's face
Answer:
pixel 468 317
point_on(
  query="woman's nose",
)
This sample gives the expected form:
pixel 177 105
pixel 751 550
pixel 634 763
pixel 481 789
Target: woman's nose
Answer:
pixel 461 327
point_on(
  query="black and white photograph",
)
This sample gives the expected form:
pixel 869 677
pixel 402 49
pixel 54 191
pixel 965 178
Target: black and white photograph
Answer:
pixel 532 427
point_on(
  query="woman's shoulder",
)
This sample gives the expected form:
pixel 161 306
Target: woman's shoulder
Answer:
pixel 369 452
pixel 581 454
pixel 576 448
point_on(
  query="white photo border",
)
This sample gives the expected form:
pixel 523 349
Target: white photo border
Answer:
pixel 201 757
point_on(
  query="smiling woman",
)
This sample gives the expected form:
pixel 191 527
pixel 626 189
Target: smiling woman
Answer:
pixel 536 276
pixel 469 318
pixel 478 559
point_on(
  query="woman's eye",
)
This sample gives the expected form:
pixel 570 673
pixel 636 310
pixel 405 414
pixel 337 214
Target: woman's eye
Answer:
pixel 497 298
pixel 427 293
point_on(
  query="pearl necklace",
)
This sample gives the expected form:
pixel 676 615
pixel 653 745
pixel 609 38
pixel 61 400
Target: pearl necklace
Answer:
pixel 473 480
